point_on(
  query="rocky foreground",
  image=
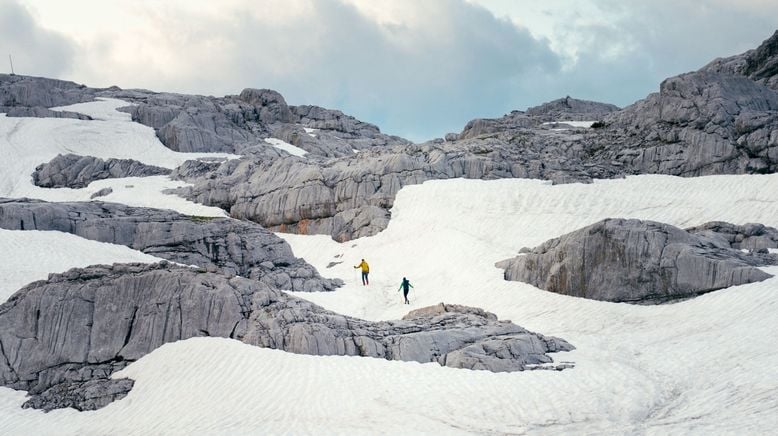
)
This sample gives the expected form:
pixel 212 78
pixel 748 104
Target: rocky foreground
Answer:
pixel 61 339
pixel 635 261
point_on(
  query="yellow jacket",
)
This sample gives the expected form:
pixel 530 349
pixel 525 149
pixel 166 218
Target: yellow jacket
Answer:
pixel 364 266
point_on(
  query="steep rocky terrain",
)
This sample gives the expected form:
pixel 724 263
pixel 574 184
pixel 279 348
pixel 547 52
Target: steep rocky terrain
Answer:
pixel 61 339
pixel 224 244
pixel 699 123
pixel 636 262
pixel 73 171
pixel 722 119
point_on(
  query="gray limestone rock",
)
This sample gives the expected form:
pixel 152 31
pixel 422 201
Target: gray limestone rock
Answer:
pixel 39 92
pixel 634 261
pixel 40 112
pixel 752 236
pixel 194 169
pixel 102 193
pixel 350 197
pixel 73 171
pixel 229 245
pixel 62 338
pixel 571 109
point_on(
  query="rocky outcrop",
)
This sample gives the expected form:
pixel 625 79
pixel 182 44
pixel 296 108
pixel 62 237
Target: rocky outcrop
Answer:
pixel 572 109
pixel 239 124
pixel 351 197
pixel 759 65
pixel 73 171
pixel 102 193
pixel 224 244
pixel 39 92
pixel 634 261
pixel 40 112
pixel 61 339
pixel 753 237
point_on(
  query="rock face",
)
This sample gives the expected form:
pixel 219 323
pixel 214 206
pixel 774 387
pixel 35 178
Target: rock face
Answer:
pixel 571 109
pixel 722 119
pixel 239 124
pixel 351 197
pixel 225 244
pixel 755 237
pixel 701 123
pixel 39 92
pixel 61 339
pixel 634 261
pixel 73 171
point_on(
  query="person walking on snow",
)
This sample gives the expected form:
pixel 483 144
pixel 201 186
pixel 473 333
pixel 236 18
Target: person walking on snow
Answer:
pixel 405 286
pixel 365 272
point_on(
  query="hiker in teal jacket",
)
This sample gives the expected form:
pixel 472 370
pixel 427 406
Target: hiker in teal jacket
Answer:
pixel 405 286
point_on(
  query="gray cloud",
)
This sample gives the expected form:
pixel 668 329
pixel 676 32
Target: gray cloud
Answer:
pixel 36 51
pixel 448 62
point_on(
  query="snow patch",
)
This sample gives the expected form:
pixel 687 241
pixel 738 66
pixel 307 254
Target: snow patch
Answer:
pixel 30 255
pixel 576 124
pixel 287 147
pixel 26 143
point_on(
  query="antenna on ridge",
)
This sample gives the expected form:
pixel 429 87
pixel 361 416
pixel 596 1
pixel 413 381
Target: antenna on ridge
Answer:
pixel 11 61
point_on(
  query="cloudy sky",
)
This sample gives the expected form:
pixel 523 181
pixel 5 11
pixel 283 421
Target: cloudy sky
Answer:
pixel 416 68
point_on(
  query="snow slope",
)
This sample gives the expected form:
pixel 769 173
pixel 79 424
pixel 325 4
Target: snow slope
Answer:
pixel 702 366
pixel 32 255
pixel 287 147
pixel 26 143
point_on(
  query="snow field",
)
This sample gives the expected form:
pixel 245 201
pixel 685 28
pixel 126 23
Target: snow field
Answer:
pixel 26 143
pixel 31 255
pixel 702 366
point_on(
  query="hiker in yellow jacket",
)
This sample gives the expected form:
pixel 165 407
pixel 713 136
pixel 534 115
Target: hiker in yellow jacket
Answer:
pixel 365 272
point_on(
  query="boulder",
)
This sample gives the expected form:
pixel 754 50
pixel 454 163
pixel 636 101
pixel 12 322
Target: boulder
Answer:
pixel 634 261
pixel 74 171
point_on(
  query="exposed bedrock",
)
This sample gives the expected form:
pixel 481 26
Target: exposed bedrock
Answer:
pixel 62 338
pixel 753 236
pixel 635 261
pixel 229 245
pixel 74 171
pixel 349 198
pixel 240 123
pixel 39 92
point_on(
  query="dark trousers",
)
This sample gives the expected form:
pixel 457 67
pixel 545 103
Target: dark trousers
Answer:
pixel 405 294
pixel 365 281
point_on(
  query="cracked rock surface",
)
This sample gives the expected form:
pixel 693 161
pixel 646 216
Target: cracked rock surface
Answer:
pixel 225 244
pixel 74 171
pixel 634 261
pixel 62 338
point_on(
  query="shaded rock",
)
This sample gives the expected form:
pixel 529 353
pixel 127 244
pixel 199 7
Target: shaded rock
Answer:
pixel 633 261
pixel 572 109
pixel 40 112
pixel 40 92
pixel 61 339
pixel 350 197
pixel 751 236
pixel 193 169
pixel 74 171
pixel 225 244
pixel 102 193
pixel 269 104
